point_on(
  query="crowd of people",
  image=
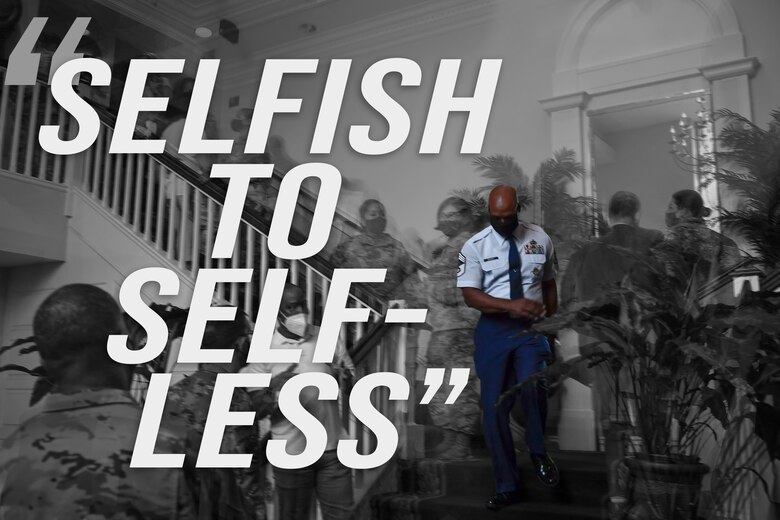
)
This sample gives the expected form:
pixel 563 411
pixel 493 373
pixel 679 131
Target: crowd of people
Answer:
pixel 70 456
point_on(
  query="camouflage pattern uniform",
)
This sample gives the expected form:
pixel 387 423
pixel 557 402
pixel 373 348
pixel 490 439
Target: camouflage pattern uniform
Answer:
pixel 219 493
pixel 70 459
pixel 382 251
pixel 452 341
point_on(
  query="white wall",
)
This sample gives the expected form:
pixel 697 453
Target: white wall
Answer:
pixel 643 165
pixel 759 21
pixel 100 251
pixel 27 232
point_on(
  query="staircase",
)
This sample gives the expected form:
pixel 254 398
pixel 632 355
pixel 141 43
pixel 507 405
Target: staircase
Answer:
pixel 156 203
pixel 122 203
pixel 457 490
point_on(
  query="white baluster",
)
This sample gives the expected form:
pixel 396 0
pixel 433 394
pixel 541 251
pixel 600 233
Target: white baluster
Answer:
pixel 263 260
pixel 129 166
pixel 359 326
pixel 151 166
pixel 183 222
pixel 116 184
pixel 106 168
pixel 46 120
pixel 235 263
pixel 139 186
pixel 196 230
pixel 210 210
pixel 310 291
pixel 17 130
pixel 86 178
pixel 32 134
pixel 172 189
pixel 3 116
pixel 221 286
pixel 249 263
pixel 100 158
pixel 59 165
pixel 294 272
pixel 161 188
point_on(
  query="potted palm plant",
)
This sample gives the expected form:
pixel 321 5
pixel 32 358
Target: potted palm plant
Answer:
pixel 672 367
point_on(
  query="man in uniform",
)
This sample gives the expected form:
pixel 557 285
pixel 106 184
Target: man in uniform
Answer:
pixel 451 344
pixel 70 456
pixel 507 271
pixel 376 249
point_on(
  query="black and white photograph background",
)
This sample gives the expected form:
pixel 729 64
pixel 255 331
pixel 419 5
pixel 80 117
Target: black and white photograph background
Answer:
pixel 575 205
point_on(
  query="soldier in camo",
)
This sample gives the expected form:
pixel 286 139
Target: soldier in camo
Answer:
pixel 70 456
pixel 219 493
pixel 376 249
pixel 452 344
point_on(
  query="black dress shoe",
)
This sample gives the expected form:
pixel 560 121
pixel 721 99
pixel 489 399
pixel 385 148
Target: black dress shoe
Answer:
pixel 545 469
pixel 502 500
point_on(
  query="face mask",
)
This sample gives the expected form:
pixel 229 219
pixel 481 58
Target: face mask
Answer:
pixel 449 227
pixel 297 324
pixel 671 218
pixel 504 226
pixel 375 226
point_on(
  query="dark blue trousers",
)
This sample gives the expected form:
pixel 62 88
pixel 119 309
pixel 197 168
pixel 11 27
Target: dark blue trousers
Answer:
pixel 505 356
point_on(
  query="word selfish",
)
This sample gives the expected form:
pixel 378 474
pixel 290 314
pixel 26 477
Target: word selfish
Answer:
pixel 268 103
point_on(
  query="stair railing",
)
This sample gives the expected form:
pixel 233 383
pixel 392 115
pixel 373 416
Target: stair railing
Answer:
pixel 176 210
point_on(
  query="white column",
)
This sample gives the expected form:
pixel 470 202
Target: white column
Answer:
pixel 730 89
pixel 569 128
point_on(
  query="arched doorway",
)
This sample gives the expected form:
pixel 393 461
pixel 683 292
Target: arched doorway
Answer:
pixel 625 70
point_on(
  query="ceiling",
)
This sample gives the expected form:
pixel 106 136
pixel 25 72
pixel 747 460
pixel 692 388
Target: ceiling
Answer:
pixel 262 24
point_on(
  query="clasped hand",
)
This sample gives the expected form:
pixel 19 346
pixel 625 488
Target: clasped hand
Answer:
pixel 527 309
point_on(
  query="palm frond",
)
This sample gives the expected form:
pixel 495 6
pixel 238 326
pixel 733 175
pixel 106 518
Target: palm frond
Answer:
pixel 501 168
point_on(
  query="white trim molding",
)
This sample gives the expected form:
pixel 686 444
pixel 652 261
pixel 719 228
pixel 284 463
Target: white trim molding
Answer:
pixel 730 69
pixel 557 103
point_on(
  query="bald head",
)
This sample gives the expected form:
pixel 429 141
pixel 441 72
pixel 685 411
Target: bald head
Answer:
pixel 502 201
pixel 502 207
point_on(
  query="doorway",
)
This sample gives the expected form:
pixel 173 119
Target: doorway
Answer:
pixel 631 151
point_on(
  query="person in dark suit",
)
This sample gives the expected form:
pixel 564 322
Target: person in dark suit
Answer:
pixel 603 264
pixel 607 260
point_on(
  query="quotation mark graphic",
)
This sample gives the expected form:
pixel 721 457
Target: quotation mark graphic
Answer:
pixel 23 62
pixel 434 378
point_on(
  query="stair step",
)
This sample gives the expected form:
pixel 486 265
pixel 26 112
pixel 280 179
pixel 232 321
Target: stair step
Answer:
pixel 473 508
pixel 583 478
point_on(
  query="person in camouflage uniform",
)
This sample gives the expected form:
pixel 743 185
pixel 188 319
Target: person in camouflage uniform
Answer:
pixel 376 249
pixel 70 456
pixel 219 493
pixel 452 339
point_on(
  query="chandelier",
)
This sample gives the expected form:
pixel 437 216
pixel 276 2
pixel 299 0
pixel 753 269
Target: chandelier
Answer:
pixel 692 141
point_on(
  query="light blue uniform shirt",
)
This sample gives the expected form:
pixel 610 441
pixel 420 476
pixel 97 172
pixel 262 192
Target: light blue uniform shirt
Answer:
pixel 483 262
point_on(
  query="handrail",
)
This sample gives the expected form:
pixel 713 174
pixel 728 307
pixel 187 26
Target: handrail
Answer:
pixel 217 191
pixel 364 294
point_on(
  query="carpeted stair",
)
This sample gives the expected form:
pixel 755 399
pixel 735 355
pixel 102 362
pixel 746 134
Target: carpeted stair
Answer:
pixel 456 490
